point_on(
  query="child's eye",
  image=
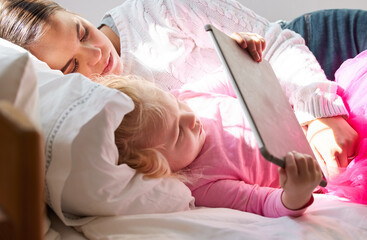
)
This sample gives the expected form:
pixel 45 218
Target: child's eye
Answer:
pixel 179 134
pixel 85 35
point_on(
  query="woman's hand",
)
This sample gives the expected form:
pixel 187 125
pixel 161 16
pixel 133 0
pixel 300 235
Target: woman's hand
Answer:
pixel 334 143
pixel 298 179
pixel 252 42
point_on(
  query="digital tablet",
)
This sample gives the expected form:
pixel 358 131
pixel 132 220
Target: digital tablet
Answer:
pixel 265 105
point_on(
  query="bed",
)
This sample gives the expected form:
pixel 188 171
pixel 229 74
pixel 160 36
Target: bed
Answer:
pixel 327 218
pixel 136 208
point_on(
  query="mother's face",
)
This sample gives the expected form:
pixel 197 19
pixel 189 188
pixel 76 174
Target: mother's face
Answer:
pixel 72 44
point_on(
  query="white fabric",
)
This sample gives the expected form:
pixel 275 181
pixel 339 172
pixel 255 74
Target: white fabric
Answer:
pixel 78 118
pixel 165 41
pixel 63 232
pixel 19 86
pixel 18 79
pixel 327 218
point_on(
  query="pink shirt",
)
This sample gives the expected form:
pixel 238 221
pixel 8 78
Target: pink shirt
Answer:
pixel 230 170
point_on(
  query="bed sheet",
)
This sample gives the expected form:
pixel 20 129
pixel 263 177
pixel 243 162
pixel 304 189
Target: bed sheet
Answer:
pixel 59 231
pixel 328 218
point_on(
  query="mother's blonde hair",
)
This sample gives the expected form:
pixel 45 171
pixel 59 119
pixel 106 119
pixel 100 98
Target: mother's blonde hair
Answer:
pixel 134 145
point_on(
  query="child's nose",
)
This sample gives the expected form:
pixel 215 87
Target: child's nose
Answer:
pixel 190 119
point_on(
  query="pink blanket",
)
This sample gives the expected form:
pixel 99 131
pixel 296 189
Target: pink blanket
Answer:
pixel 352 79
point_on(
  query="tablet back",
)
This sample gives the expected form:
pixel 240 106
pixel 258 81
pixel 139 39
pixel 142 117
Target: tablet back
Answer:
pixel 266 107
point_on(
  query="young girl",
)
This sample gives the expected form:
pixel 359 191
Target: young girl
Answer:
pixel 165 42
pixel 214 151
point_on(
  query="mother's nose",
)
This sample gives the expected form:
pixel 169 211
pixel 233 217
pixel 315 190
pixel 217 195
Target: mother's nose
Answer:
pixel 92 54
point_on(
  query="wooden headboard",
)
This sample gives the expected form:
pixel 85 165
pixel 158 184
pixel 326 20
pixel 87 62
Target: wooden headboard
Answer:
pixel 22 207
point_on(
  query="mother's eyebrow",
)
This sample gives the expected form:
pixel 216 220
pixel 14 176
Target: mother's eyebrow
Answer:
pixel 78 36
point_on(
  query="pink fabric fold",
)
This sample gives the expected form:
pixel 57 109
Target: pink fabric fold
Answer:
pixel 352 80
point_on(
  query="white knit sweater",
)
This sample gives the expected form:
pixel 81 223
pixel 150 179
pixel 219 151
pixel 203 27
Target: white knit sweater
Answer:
pixel 165 42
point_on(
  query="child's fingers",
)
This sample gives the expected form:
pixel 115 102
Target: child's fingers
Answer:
pixel 307 167
pixel 290 165
pixel 317 170
pixel 311 163
pixel 303 161
pixel 314 170
pixel 282 176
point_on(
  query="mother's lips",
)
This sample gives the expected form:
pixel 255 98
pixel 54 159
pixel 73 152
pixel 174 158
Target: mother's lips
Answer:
pixel 109 65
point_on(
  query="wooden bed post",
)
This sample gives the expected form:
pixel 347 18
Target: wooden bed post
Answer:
pixel 22 205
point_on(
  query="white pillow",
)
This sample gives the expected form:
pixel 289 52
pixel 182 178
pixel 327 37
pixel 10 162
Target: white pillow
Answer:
pixel 18 79
pixel 78 119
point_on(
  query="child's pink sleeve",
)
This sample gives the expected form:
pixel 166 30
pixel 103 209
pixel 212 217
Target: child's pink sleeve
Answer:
pixel 238 195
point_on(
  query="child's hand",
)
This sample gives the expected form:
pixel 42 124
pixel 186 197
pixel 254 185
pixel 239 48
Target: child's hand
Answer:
pixel 299 178
pixel 252 42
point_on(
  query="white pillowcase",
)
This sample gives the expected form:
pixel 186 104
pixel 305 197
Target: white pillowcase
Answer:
pixel 19 87
pixel 18 80
pixel 78 119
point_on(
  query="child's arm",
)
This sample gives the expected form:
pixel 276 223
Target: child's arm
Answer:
pixel 237 194
pixel 298 179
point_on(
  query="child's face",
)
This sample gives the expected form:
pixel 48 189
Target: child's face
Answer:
pixel 72 44
pixel 183 135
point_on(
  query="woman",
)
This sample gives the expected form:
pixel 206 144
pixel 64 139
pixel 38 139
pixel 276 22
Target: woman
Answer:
pixel 165 41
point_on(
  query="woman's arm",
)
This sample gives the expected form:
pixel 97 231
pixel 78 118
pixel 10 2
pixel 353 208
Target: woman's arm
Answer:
pixel 298 71
pixel 333 141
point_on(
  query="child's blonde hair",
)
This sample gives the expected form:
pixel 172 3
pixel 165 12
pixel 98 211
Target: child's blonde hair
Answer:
pixel 135 148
